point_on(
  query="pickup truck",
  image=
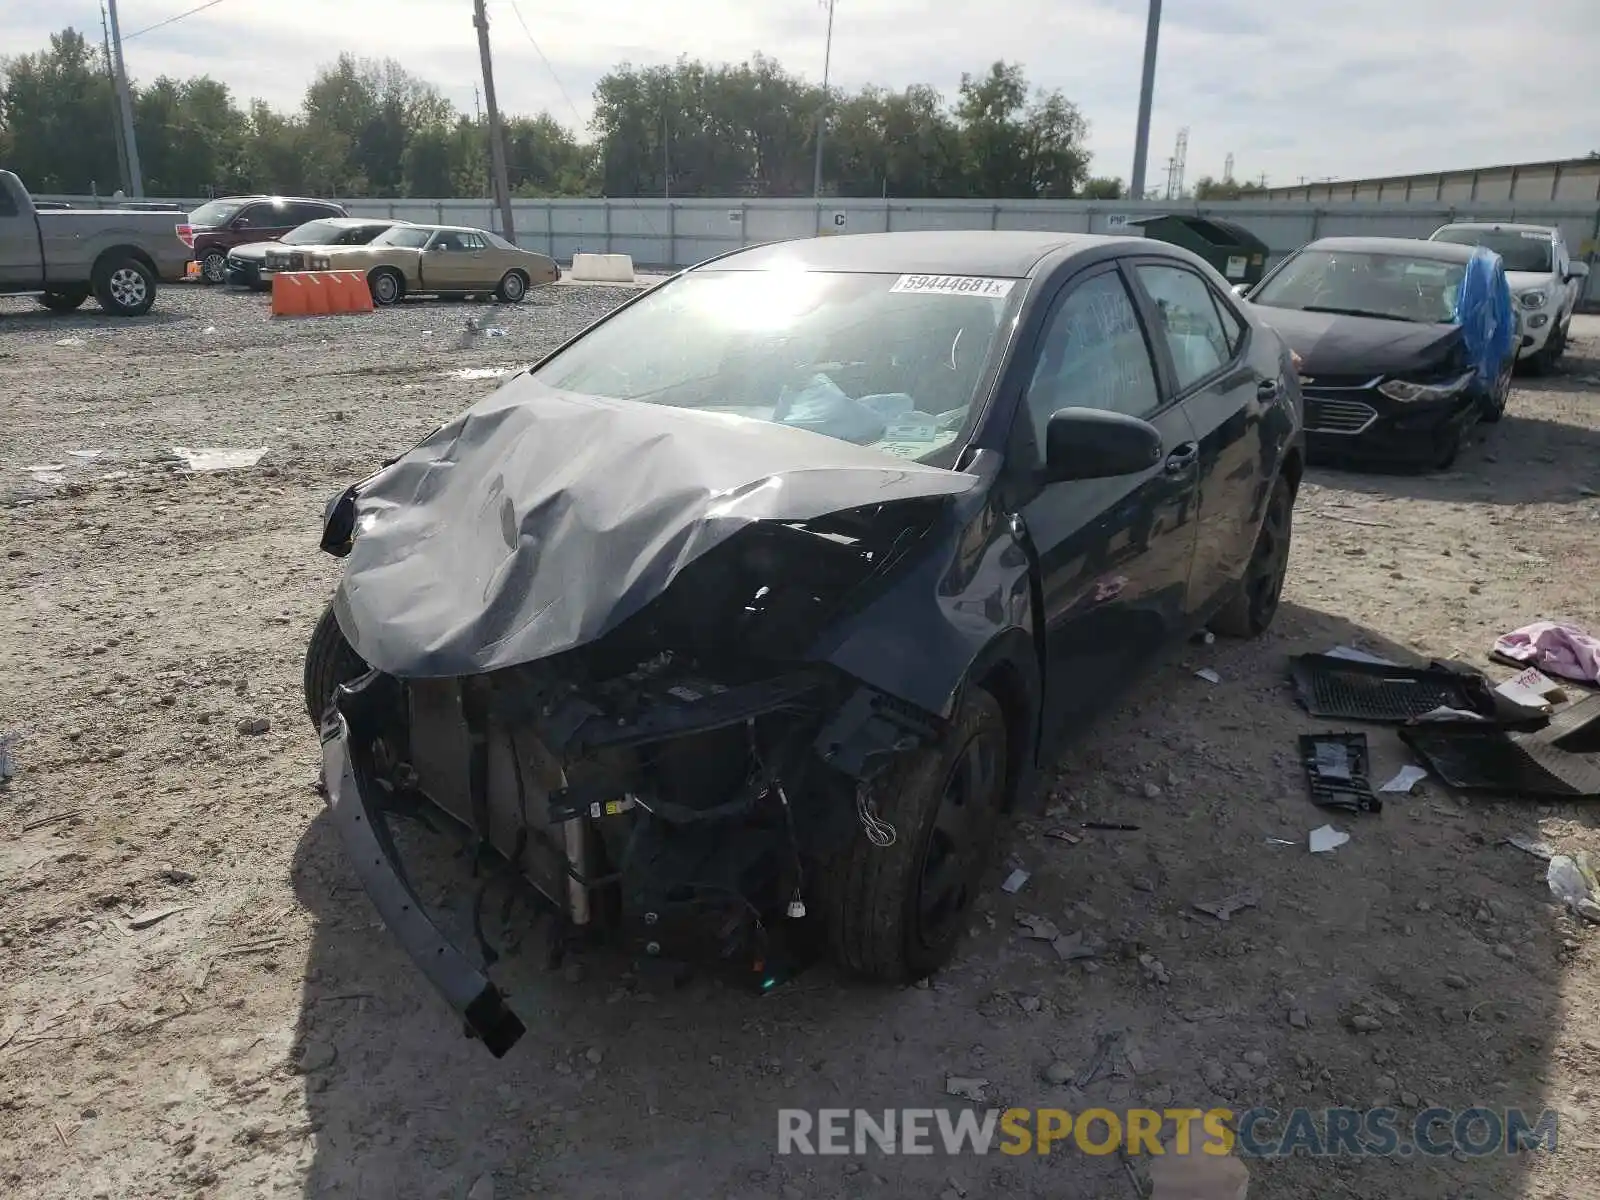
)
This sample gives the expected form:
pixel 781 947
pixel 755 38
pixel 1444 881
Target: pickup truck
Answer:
pixel 1547 282
pixel 65 255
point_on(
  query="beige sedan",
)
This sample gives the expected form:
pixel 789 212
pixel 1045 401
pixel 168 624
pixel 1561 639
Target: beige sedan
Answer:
pixel 439 260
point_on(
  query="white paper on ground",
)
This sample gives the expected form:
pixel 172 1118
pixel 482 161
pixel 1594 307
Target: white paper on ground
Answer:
pixel 1326 838
pixel 1351 654
pixel 219 458
pixel 1406 778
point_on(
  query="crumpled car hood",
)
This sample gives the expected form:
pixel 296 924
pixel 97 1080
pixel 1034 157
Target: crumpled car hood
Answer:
pixel 538 520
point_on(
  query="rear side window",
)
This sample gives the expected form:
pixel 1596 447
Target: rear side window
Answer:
pixel 1196 336
pixel 299 214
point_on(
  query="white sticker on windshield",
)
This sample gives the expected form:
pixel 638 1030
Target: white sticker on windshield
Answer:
pixel 954 285
pixel 1538 237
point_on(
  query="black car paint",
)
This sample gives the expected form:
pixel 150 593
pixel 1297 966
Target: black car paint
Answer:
pixel 1045 593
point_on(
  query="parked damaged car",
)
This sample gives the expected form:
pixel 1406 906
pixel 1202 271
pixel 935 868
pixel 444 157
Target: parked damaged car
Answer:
pixel 735 625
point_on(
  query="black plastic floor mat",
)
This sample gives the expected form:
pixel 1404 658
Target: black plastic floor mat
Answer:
pixel 1360 691
pixel 1551 762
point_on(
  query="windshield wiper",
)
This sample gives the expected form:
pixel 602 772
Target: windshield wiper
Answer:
pixel 1359 312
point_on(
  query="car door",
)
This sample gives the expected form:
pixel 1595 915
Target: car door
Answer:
pixel 21 256
pixel 1204 340
pixel 447 263
pixel 1114 554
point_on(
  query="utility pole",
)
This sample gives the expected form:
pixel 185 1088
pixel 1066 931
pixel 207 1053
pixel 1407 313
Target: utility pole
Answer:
pixel 497 146
pixel 666 158
pixel 822 112
pixel 116 111
pixel 1147 87
pixel 135 175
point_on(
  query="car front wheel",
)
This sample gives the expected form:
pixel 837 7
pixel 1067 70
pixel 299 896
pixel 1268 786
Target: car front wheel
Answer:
pixel 330 661
pixel 1250 612
pixel 387 287
pixel 894 912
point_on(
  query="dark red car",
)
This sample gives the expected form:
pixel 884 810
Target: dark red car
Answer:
pixel 218 225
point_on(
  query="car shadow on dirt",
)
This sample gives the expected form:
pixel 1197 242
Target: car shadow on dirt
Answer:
pixel 88 318
pixel 1419 965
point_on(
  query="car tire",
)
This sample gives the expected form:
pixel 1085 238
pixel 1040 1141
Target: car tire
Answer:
pixel 388 287
pixel 330 661
pixel 124 287
pixel 65 302
pixel 894 913
pixel 214 267
pixel 1494 407
pixel 512 288
pixel 1250 611
pixel 1447 451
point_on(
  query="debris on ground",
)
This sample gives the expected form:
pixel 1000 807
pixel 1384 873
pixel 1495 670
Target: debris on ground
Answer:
pixel 155 916
pixel 1072 947
pixel 1208 675
pixel 965 1087
pixel 1336 771
pixel 471 373
pixel 219 458
pixel 1529 844
pixel 1532 689
pixel 255 726
pixel 1015 881
pixel 1326 838
pixel 1553 647
pixel 1406 778
pixel 1035 926
pixel 1573 882
pixel 1224 909
pixel 1061 835
pixel 8 762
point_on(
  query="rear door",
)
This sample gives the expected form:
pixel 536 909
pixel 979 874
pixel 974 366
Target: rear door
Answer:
pixel 1114 554
pixel 1205 344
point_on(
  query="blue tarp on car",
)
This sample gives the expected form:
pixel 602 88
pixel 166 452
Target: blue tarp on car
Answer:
pixel 1483 310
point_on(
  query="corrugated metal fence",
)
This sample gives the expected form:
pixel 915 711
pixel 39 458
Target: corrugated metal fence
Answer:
pixel 677 233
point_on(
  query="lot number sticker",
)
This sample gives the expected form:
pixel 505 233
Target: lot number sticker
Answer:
pixel 954 285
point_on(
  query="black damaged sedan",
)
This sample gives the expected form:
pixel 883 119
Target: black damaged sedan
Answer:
pixel 1387 363
pixel 734 625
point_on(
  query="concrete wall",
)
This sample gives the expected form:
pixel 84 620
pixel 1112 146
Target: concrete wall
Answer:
pixel 1572 181
pixel 659 233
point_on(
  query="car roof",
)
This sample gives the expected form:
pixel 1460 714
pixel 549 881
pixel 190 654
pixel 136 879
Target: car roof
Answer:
pixel 1506 226
pixel 1416 247
pixel 1000 253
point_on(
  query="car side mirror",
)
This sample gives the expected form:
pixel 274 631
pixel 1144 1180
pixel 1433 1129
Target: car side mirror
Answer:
pixel 241 222
pixel 1577 270
pixel 1242 290
pixel 1090 443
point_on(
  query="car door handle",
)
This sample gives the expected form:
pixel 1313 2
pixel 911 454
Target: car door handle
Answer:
pixel 1182 458
pixel 1267 390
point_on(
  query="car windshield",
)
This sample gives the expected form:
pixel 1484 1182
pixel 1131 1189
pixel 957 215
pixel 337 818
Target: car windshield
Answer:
pixel 1399 287
pixel 409 237
pixel 313 233
pixel 1521 249
pixel 216 212
pixel 879 360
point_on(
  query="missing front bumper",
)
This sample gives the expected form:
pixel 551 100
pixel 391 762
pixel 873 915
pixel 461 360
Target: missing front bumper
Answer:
pixel 363 828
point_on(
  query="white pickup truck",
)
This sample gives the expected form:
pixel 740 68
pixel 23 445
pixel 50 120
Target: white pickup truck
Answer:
pixel 67 255
pixel 1546 281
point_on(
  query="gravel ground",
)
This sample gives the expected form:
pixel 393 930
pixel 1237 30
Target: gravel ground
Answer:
pixel 266 1037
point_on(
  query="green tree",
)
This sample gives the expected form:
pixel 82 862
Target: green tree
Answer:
pixel 1102 188
pixel 1207 188
pixel 58 117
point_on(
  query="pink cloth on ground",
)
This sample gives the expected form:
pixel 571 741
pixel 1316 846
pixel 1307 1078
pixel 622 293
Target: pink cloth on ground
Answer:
pixel 1556 649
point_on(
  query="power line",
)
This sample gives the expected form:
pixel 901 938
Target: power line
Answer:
pixel 170 20
pixel 532 41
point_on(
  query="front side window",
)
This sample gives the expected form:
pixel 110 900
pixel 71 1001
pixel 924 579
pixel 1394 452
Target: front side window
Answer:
pixel 1361 283
pixel 1093 354
pixel 886 361
pixel 313 233
pixel 1189 321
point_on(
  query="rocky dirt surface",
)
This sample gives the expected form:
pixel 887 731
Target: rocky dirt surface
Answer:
pixel 196 998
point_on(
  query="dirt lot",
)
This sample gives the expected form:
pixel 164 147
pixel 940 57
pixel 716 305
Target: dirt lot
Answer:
pixel 268 1038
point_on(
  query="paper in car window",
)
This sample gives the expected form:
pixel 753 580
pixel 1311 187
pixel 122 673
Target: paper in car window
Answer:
pixel 954 285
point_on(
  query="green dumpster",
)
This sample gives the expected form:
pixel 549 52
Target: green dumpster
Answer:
pixel 1239 255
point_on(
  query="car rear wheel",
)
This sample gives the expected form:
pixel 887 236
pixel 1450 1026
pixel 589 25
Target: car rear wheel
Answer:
pixel 1249 614
pixel 512 288
pixel 894 913
pixel 214 266
pixel 330 661
pixel 65 302
pixel 387 286
pixel 124 287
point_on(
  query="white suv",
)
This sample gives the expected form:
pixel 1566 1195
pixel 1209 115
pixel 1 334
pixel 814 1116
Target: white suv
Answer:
pixel 1546 281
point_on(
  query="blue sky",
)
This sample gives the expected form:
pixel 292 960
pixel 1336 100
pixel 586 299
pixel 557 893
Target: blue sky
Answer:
pixel 1312 88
